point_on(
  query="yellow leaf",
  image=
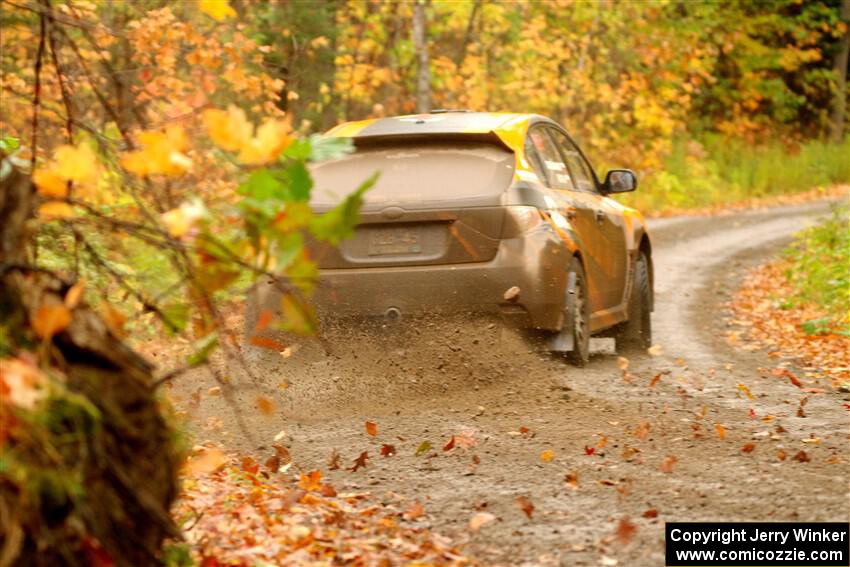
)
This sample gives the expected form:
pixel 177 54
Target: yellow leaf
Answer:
pixel 162 152
pixel 230 130
pixel 75 294
pixel 217 9
pixel 78 164
pixel 655 350
pixel 50 319
pixel 547 456
pixel 55 210
pixel 50 184
pixel 272 138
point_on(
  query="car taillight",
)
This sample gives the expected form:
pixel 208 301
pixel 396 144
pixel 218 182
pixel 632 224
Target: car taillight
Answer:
pixel 521 219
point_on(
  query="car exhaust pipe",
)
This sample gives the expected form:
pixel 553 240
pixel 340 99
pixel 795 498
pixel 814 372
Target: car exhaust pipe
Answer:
pixel 392 315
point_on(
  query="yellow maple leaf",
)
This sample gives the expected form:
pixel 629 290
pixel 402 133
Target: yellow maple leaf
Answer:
pixel 162 152
pixel 272 138
pixel 76 163
pixel 217 9
pixel 230 129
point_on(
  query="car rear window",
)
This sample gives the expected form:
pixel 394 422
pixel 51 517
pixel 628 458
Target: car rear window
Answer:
pixel 416 173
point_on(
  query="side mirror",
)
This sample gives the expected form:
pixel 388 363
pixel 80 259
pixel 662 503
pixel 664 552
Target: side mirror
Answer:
pixel 620 181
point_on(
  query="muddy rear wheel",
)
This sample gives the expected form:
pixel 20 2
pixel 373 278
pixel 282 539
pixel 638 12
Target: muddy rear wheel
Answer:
pixel 636 333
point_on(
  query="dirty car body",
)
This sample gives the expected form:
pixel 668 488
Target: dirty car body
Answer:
pixel 474 213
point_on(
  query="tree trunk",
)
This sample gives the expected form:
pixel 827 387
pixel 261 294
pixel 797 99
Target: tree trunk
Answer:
pixel 420 44
pixel 90 471
pixel 839 66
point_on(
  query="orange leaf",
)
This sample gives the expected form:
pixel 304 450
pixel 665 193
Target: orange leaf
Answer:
pixel 651 513
pixel 265 405
pixel 721 431
pixel 371 428
pixel 75 294
pixel 781 455
pixel 525 505
pixel 387 450
pixel 415 511
pixel 360 461
pixel 642 430
pixel 249 465
pixel 572 479
pixel 311 482
pixel 667 464
pixel 625 531
pixel 655 380
pixel 450 445
pixel 602 442
pixel 748 448
pixel 802 457
pixel 50 319
pixel 265 342
pixel 55 210
pixel 547 456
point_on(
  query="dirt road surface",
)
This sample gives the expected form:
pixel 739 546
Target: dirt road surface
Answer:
pixel 638 454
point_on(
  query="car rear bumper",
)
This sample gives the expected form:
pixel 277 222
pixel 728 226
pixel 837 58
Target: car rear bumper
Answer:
pixel 536 263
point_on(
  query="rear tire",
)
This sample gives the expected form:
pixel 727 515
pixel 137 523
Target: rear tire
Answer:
pixel 636 333
pixel 576 329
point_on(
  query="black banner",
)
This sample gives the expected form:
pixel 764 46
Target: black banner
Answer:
pixel 758 544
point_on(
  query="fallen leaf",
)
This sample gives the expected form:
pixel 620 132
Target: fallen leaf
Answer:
pixel 360 461
pixel 813 440
pixel 311 482
pixel 479 519
pixel 622 362
pixel 416 510
pixel 423 448
pixel 667 464
pixel 465 440
pixel 525 505
pixel 748 448
pixel 589 450
pixel 265 405
pixel 214 391
pixel 655 380
pixel 524 430
pixel 745 390
pixel 334 461
pixel 642 430
pixel 266 343
pixel 655 350
pixel 387 450
pixel 721 431
pixel 328 491
pixel 450 445
pixel 603 440
pixel 780 454
pixel 249 465
pixel 547 455
pixel 625 531
pixel 571 479
pixel 371 428
pixel 50 319
pixel 802 457
pixel 752 414
pixel 651 513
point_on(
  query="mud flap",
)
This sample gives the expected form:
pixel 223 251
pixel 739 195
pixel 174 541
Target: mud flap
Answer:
pixel 564 341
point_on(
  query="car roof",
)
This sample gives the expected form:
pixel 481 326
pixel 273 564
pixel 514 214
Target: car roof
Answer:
pixel 509 127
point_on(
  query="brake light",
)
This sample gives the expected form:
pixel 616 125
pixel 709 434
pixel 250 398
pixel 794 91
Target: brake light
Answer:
pixel 521 219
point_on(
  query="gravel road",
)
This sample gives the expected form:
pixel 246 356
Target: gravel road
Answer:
pixel 656 452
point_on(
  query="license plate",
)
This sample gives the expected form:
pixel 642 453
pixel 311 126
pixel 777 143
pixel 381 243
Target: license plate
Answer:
pixel 394 241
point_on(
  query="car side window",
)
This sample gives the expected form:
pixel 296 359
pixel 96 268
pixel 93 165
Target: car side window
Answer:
pixel 546 160
pixel 579 169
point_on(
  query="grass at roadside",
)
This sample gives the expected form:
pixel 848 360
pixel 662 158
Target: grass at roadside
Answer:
pixel 799 305
pixel 719 171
